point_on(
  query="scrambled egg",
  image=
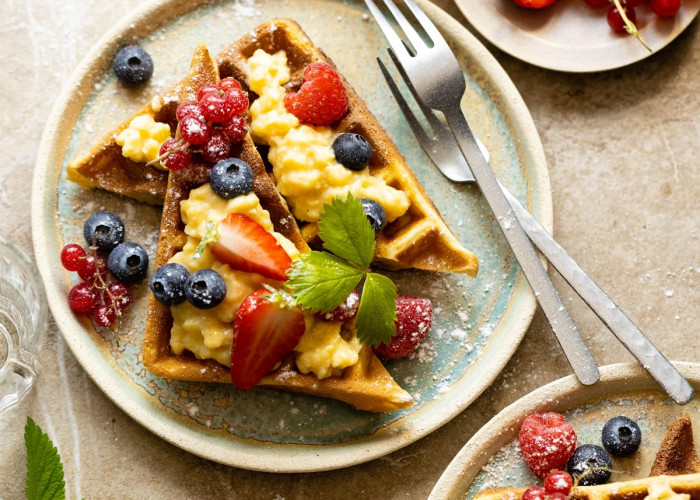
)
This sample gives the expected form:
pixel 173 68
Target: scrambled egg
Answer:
pixel 142 139
pixel 208 334
pixel 305 169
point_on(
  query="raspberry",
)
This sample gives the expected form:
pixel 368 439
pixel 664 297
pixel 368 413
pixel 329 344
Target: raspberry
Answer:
pixel 217 147
pixel 235 128
pixel 322 98
pixel 83 298
pixel 558 482
pixel 547 442
pixel 414 319
pixel 345 311
pixel 534 493
pixel 73 257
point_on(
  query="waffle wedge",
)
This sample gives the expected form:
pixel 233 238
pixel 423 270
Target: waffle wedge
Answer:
pixel 366 385
pixel 676 470
pixel 106 168
pixel 419 238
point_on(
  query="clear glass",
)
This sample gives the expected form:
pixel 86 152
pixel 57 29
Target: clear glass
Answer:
pixel 22 323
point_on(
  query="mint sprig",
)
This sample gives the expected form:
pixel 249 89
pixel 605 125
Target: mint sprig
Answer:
pixel 44 467
pixel 321 281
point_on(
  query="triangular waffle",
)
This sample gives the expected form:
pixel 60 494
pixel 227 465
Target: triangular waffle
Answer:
pixel 418 239
pixel 676 470
pixel 366 385
pixel 106 168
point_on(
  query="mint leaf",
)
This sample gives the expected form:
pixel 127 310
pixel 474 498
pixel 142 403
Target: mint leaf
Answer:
pixel 321 282
pixel 346 231
pixel 44 468
pixel 375 321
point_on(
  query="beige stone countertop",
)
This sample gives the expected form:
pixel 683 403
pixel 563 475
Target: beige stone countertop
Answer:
pixel 622 148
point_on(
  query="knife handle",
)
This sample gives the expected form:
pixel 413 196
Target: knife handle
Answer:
pixel 554 309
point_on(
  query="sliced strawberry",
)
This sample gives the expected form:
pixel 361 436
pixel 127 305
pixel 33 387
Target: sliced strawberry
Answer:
pixel 264 332
pixel 414 319
pixel 245 245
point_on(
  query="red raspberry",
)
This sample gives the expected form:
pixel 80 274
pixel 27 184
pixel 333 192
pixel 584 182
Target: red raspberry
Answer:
pixel 217 147
pixel 414 319
pixel 73 257
pixel 558 481
pixel 322 98
pixel 547 442
pixel 345 311
pixel 94 266
pixel 83 298
pixel 189 109
pixel 534 493
pixel 235 128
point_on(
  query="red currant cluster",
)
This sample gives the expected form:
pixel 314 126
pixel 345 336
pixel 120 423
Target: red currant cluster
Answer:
pixel 104 299
pixel 557 486
pixel 616 20
pixel 212 123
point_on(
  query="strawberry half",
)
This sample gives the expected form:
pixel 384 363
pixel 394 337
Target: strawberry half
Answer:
pixel 245 246
pixel 264 332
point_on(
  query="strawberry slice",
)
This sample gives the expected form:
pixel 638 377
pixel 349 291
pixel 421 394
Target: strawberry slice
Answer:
pixel 264 332
pixel 245 246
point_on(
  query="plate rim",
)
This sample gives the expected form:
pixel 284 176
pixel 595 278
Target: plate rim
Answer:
pixel 560 395
pixel 517 46
pixel 252 454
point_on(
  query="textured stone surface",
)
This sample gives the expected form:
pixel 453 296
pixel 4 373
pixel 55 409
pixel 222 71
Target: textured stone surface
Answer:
pixel 622 150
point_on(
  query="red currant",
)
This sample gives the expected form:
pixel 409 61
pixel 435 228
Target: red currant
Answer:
pixel 218 106
pixel 94 267
pixel 217 148
pixel 205 89
pixel 229 84
pixel 189 109
pixel 534 493
pixel 83 298
pixel 557 496
pixel 73 257
pixel 240 101
pixel 615 18
pixel 194 130
pixel 120 294
pixel 175 155
pixel 635 3
pixel 235 128
pixel 665 8
pixel 558 481
pixel 597 4
pixel 104 315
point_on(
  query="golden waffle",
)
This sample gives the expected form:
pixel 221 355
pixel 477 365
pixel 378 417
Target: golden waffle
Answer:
pixel 106 168
pixel 366 385
pixel 676 468
pixel 420 238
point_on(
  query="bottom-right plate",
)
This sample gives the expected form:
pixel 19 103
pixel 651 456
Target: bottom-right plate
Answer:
pixel 492 457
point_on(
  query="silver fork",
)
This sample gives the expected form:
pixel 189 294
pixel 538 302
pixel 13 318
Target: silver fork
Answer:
pixel 437 79
pixel 445 152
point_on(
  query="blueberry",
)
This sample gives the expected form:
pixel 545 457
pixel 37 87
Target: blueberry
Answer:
pixel 133 65
pixel 591 464
pixel 104 230
pixel 375 214
pixel 128 262
pixel 231 177
pixel 621 436
pixel 352 151
pixel 168 284
pixel 205 289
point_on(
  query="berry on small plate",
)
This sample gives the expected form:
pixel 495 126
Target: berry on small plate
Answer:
pixel 532 433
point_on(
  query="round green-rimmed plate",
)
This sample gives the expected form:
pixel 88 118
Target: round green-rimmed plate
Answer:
pixel 492 459
pixel 478 322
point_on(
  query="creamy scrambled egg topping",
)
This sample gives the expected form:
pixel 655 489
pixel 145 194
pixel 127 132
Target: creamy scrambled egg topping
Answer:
pixel 304 165
pixel 208 333
pixel 660 489
pixel 142 139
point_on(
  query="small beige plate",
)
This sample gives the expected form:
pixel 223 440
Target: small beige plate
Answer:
pixel 492 458
pixel 571 36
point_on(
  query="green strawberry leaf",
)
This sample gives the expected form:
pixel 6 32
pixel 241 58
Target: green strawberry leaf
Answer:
pixel 346 231
pixel 376 317
pixel 44 468
pixel 320 281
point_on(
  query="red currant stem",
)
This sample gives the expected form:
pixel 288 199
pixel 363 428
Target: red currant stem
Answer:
pixel 629 25
pixel 103 286
pixel 165 155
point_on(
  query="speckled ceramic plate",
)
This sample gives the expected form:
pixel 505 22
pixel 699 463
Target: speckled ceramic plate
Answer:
pixel 571 36
pixel 492 458
pixel 478 322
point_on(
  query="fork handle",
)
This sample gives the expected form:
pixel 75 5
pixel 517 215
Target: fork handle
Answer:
pixel 564 328
pixel 614 318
